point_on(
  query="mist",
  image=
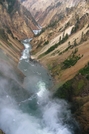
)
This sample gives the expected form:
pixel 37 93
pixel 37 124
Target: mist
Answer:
pixel 36 113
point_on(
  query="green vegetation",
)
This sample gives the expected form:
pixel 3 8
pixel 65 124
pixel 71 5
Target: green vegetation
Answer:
pixel 87 77
pixel 75 43
pixel 51 48
pixel 71 60
pixel 40 56
pixel 39 45
pixel 84 37
pixel 46 42
pixel 80 84
pixel 56 52
pixel 3 35
pixel 69 46
pixel 52 24
pixel 0 44
pixel 71 88
pixel 76 27
pixel 50 66
pixel 76 86
pixel 62 29
pixel 65 91
pixel 88 26
pixel 54 68
pixel 10 44
pixel 85 71
pixel 61 41
pixel 76 91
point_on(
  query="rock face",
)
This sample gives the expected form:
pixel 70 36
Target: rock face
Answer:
pixel 58 41
pixel 17 19
pixel 53 10
pixel 63 47
pixel 76 91
pixel 16 23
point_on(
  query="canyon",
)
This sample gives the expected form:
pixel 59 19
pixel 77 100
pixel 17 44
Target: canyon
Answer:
pixel 16 23
pixel 54 10
pixel 62 46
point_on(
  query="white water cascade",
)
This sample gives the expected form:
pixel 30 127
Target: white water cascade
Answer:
pixel 38 114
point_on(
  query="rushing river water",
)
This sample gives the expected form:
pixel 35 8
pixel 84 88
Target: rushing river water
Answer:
pixel 32 110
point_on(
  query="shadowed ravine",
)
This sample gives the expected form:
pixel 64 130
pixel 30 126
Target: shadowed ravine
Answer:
pixel 32 109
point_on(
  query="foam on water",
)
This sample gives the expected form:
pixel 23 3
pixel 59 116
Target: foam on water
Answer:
pixel 52 115
pixel 41 87
pixel 25 53
pixel 44 115
pixel 36 31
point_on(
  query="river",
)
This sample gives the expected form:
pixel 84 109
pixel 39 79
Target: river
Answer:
pixel 32 109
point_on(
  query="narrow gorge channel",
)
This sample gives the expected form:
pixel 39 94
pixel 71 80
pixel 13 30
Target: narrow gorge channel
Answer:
pixel 32 109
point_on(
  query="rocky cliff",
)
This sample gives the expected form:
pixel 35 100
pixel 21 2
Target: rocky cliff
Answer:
pixel 17 19
pixel 16 23
pixel 53 10
pixel 60 39
pixel 63 48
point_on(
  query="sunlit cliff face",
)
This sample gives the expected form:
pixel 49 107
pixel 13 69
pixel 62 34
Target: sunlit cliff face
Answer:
pixel 44 15
pixel 33 4
pixel 16 19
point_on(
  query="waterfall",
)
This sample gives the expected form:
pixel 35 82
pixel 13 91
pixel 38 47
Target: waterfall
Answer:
pixel 39 113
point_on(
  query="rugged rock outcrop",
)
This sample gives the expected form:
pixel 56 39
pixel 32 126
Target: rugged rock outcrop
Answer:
pixel 76 91
pixel 63 48
pixel 17 19
pixel 59 40
pixel 53 10
pixel 16 23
